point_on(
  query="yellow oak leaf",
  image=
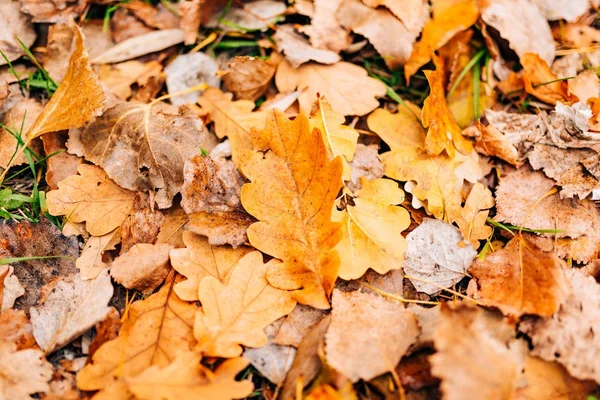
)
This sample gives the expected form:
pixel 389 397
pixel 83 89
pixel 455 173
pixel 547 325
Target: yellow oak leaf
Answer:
pixel 292 191
pixel 187 379
pixel 339 139
pixel 472 218
pixel 372 230
pixel 91 197
pixel 238 312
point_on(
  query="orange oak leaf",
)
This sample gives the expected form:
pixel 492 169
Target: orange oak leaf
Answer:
pixel 542 83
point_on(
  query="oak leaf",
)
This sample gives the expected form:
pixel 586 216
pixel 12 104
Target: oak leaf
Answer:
pixel 339 138
pixel 325 31
pixel 472 219
pixel 93 198
pixel 542 83
pixel 292 191
pixel 199 259
pixel 143 267
pixel 187 379
pixel 372 230
pixel 90 261
pixel 298 51
pixel 492 142
pixel 24 372
pixel 236 313
pixel 10 287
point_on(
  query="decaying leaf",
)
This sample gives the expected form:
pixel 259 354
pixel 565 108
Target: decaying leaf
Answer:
pixel 62 164
pixel 93 198
pixel 295 170
pixel 21 114
pixel 190 70
pixel 298 51
pixel 120 77
pixel 171 230
pixel 297 324
pixel 366 164
pixel 24 372
pixel 382 331
pixel 16 25
pixel 70 309
pixel 248 78
pixel 325 31
pixel 541 82
pixel 473 216
pixel 254 15
pixel 140 45
pixel 143 223
pixel 10 287
pixel 16 328
pixel 143 267
pixel 492 142
pixel 221 228
pixel 412 13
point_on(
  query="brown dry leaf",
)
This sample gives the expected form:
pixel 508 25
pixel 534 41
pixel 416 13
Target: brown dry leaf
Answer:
pixel 62 164
pixel 159 17
pixel 140 45
pixel 124 25
pixel 443 133
pixel 576 35
pixel 10 287
pixel 24 372
pixel 144 146
pixel 569 335
pixel 521 279
pixel 378 25
pixel 297 324
pixel 16 328
pixel 585 86
pixel 171 230
pixel 339 138
pixel 237 313
pixel 143 267
pixel 295 170
pixel 541 82
pixel 449 18
pixel 142 225
pixel 48 11
pixel 199 259
pixel 325 31
pixel 412 13
pixel 106 330
pixel 24 113
pixel 69 310
pixel 346 86
pixel 492 142
pixel 120 77
pixel 372 230
pixel 15 25
pixel 492 359
pixel 248 78
pixel 382 331
pixel 555 10
pixel 472 220
pixel 58 50
pixel 191 13
pixel 249 16
pixel 187 71
pixel 298 51
pixel 221 227
pixel 154 331
pixel 93 198
pixel 366 164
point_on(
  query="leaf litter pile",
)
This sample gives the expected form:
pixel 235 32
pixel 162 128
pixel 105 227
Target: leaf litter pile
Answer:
pixel 326 199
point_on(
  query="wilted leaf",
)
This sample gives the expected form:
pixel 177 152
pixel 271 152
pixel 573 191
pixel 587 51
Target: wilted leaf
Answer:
pixel 186 379
pixel 70 309
pixel 368 334
pixel 143 223
pixel 298 51
pixel 221 227
pixel 472 218
pixel 248 78
pixel 295 170
pixel 140 45
pixel 120 77
pixel 541 82
pixel 91 198
pixel 190 70
pixel 24 372
pixel 16 25
pixel 325 31
pixel 143 267
pixel 10 287
pixel 21 114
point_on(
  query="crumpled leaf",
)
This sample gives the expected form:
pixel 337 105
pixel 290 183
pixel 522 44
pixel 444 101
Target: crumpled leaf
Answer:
pixel 297 324
pixel 199 259
pixel 248 78
pixel 541 82
pixel 339 138
pixel 143 223
pixel 24 372
pixel 412 13
pixel 16 25
pixel 187 71
pixel 154 332
pixel 69 310
pixel 62 164
pixel 10 287
pixel 144 146
pixel 237 313
pixel 473 216
pixel 435 255
pixel 23 113
pixel 140 45
pixel 298 51
pixel 143 267
pixel 186 378
pixel 568 336
pixel 220 227
pixel 554 10
pixel 171 231
pixel 521 279
pixel 366 164
pixel 295 170
pixel 346 86
pixel 368 334
pixel 15 328
pixel 492 142
pixel 325 31
pixel 93 198
pixel 372 230
pixel 120 77
pixel 254 15
pixel 90 261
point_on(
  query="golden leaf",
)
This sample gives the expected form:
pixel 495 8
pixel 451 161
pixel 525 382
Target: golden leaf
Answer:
pixel 93 198
pixel 237 313
pixel 473 216
pixel 292 191
pixel 339 138
pixel 542 83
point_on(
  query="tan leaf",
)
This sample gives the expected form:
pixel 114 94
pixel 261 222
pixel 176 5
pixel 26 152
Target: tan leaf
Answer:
pixel 541 82
pixel 492 142
pixel 298 51
pixel 187 71
pixel 365 165
pixel 120 77
pixel 107 329
pixel 143 223
pixel 62 164
pixel 248 78
pixel 585 86
pixel 93 198
pixel 521 279
pixel 90 261
pixel 24 372
pixel 24 113
pixel 346 86
pixel 295 170
pixel 372 230
pixel 16 25
pixel 70 309
pixel 381 333
pixel 297 324
pixel 10 287
pixel 187 379
pixel 325 31
pixel 473 216
pixel 221 227
pixel 555 10
pixel 191 14
pixel 140 45
pixel 15 328
pixel 171 230
pixel 412 13
pixel 253 16
pixel 143 267
pixel 199 259
pixel 154 332
pixel 339 138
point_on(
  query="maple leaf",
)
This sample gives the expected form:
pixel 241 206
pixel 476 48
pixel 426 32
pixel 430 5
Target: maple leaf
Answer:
pixel 339 138
pixel 347 87
pixel 143 267
pixel 199 259
pixel 372 230
pixel 70 309
pixel 292 191
pixel 153 333
pixel 186 378
pixel 93 198
pixel 237 313
pixel 24 372
pixel 542 83
pixel 472 220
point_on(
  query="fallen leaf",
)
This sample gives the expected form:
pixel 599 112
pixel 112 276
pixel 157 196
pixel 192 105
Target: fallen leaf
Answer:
pixel 69 310
pixel 366 164
pixel 436 257
pixel 297 324
pixel 22 113
pixel 295 170
pixel 472 220
pixel 124 25
pixel 253 16
pixel 339 138
pixel 325 31
pixel 24 372
pixel 346 86
pixel 93 198
pixel 15 328
pixel 106 330
pixel 576 35
pixel 186 378
pixel 541 82
pixel 428 319
pixel 120 77
pixel 16 26
pixel 492 142
pixel 199 259
pixel 412 13
pixel 140 45
pixel 143 267
pixel 382 331
pixel 10 287
pixel 46 11
pixel 585 86
pixel 191 15
pixel 171 231
pixel 298 51
pixel 248 78
pixel 555 10
pixel 221 228
pixel 187 71
pixel 159 17
pixel 142 225
pixel 62 164
pixel 372 230
pixel 237 313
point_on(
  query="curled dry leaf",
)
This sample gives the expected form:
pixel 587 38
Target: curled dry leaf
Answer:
pixel 298 51
pixel 143 267
pixel 16 328
pixel 140 45
pixel 16 25
pixel 24 372
pixel 541 82
pixel 10 287
pixel 187 379
pixel 325 31
pixel 381 333
pixel 23 113
pixel 492 142
pixel 237 313
pixel 412 13
pixel 120 77
pixel 187 71
pixel 297 324
pixel 69 310
pixel 436 257
pixel 93 198
pixel 295 170
pixel 472 220
pixel 248 78
pixel 143 223
pixel 347 87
